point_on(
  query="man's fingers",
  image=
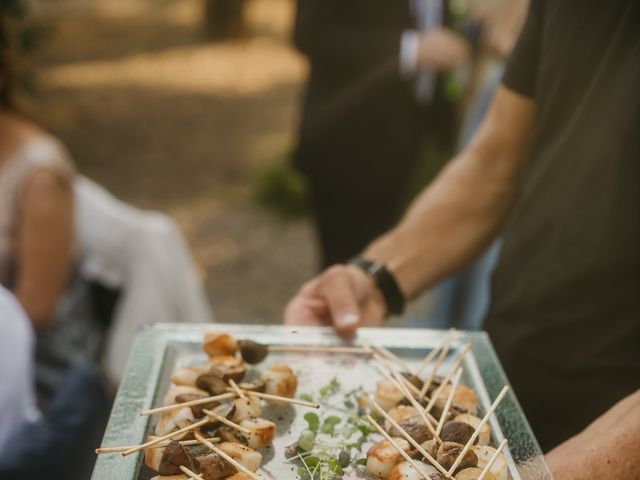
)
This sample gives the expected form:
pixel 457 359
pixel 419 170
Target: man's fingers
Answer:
pixel 339 292
pixel 305 310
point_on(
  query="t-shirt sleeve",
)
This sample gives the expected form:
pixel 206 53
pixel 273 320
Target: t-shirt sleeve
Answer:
pixel 522 66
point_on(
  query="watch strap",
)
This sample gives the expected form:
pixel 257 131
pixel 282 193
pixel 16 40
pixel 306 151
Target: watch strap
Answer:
pixel 385 281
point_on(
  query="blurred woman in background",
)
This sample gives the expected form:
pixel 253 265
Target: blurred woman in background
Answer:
pixel 87 269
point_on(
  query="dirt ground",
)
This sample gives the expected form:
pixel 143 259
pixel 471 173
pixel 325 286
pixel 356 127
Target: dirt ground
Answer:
pixel 169 121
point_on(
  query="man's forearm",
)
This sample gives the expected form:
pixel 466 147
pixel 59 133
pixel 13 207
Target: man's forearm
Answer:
pixel 456 217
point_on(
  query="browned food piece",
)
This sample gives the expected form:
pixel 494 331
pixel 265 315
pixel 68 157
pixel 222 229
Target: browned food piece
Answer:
pixel 245 456
pixel 262 431
pixel 212 383
pixel 228 434
pixel 219 343
pixel 416 429
pixel 196 409
pixel 431 447
pixel 458 432
pixel 416 381
pixel 279 380
pixel 253 352
pixel 239 476
pixel 173 457
pixel 213 467
pixel 228 372
pixel 256 385
pixel 448 453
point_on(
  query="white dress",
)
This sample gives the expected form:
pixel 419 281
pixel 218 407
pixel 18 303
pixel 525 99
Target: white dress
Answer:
pixel 141 253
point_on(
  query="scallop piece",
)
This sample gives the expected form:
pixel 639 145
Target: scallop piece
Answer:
pixel 464 399
pixel 383 456
pixel 239 476
pixel 248 407
pixel 245 456
pixel 484 437
pixel 172 420
pixel 219 343
pixel 172 477
pixel 405 471
pixel 280 380
pixel 472 474
pixel 387 394
pixel 186 376
pixel 399 413
pixel 431 447
pixel 152 456
pixel 262 431
pixel 499 469
pixel 175 390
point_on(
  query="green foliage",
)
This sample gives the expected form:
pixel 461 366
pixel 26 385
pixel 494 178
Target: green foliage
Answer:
pixel 282 188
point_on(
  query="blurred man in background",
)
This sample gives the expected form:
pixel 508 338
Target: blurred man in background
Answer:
pixel 554 167
pixel 375 94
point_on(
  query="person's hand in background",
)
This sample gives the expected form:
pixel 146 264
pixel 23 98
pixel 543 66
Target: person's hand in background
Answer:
pixel 442 49
pixel 343 296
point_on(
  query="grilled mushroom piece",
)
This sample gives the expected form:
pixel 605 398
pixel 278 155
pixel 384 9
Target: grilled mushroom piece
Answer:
pixel 228 434
pixel 219 343
pixel 485 433
pixel 167 460
pixel 256 385
pixel 449 452
pixel 253 352
pixel 431 447
pixel 415 380
pixel 458 432
pixel 213 384
pixel 227 371
pixel 213 467
pixel 196 409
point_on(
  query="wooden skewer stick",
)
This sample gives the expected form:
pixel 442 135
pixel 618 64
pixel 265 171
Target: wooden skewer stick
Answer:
pixel 200 401
pixel 385 352
pixel 191 474
pixel 380 361
pixel 185 443
pixel 443 354
pixel 493 458
pixel 397 447
pixel 447 406
pixel 431 355
pixel 382 369
pixel 234 386
pixel 294 401
pixel 482 423
pixel 456 365
pixel 410 439
pixel 168 436
pixel 232 461
pixel 227 422
pixel 319 349
pixel 415 404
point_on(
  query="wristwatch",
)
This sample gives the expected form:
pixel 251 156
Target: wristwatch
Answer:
pixel 384 280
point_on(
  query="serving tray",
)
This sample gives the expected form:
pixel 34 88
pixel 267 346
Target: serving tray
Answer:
pixel 161 348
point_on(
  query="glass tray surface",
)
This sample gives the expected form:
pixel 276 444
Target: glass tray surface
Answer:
pixel 161 348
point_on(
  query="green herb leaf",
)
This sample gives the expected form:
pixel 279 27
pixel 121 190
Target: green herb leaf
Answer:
pixel 329 424
pixel 313 421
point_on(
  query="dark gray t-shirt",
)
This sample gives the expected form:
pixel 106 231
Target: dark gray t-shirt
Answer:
pixel 565 315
